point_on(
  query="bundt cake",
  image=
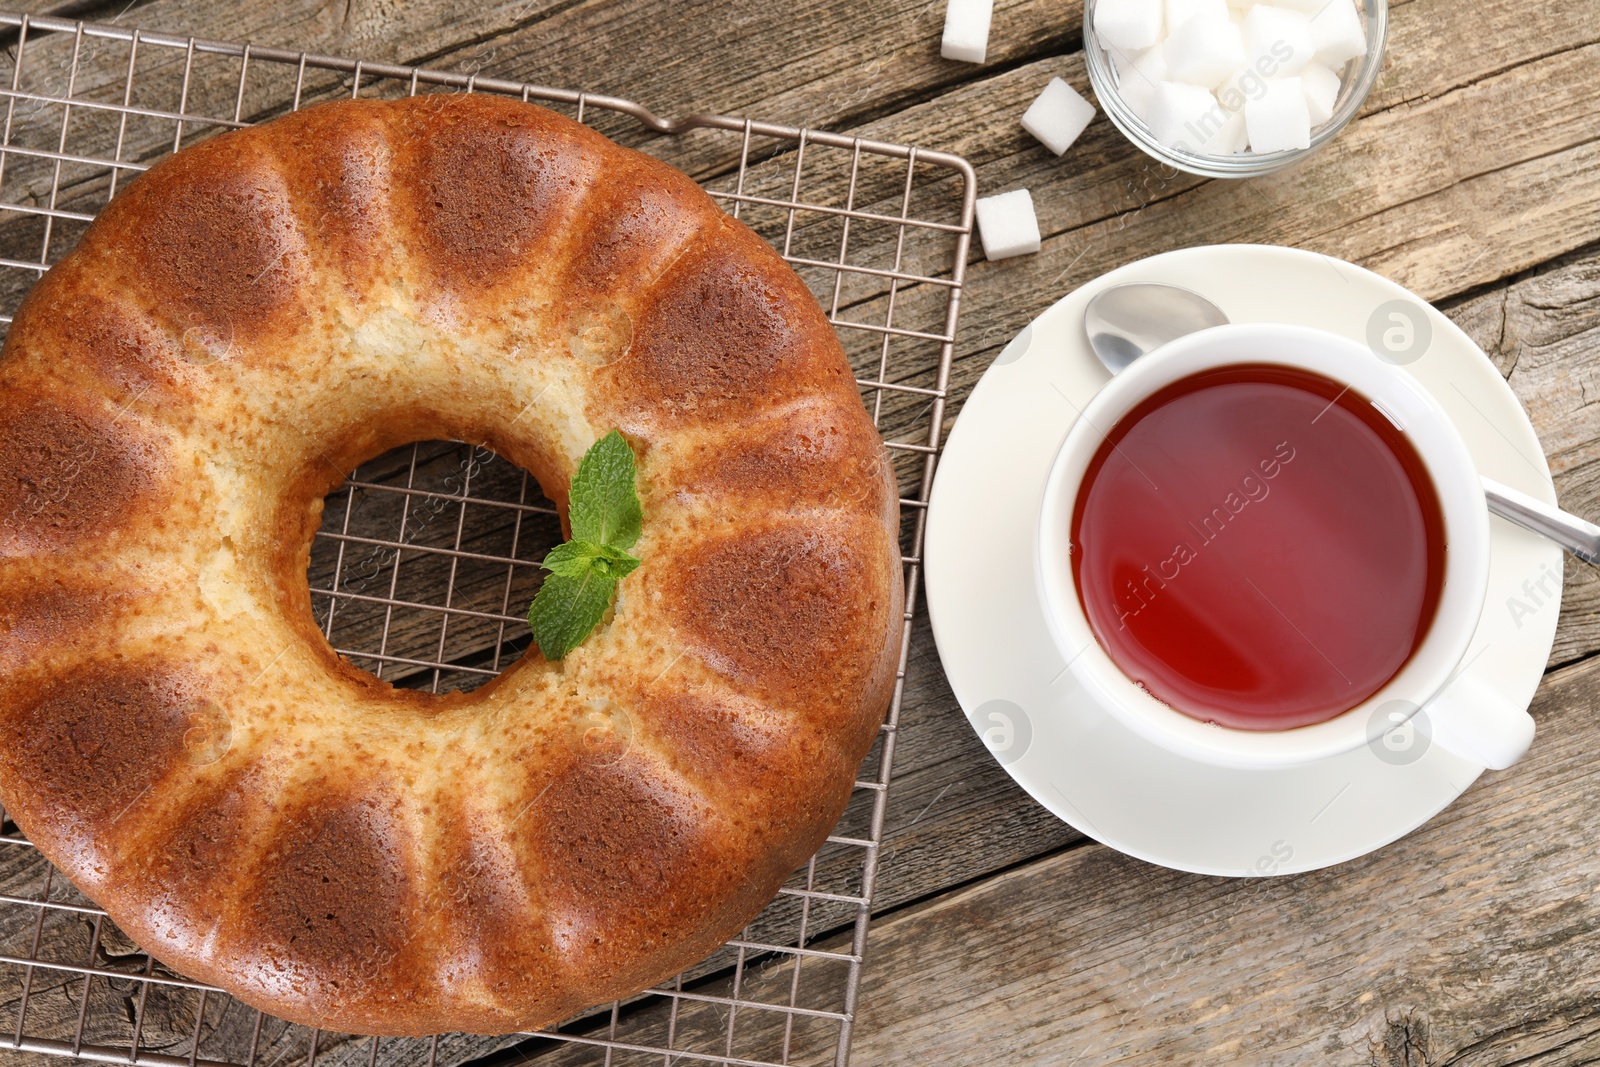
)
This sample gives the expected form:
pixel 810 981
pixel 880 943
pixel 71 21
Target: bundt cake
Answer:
pixel 242 326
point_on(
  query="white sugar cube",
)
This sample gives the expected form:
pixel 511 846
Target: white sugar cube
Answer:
pixel 1216 77
pixel 1338 34
pixel 1137 78
pixel 1203 50
pixel 1181 11
pixel 1128 25
pixel 1280 119
pixel 966 30
pixel 1222 133
pixel 1057 116
pixel 1277 41
pixel 1322 92
pixel 1007 225
pixel 1232 138
pixel 1188 117
pixel 1240 87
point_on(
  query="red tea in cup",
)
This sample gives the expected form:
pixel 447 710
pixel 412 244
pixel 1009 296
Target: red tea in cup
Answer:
pixel 1258 546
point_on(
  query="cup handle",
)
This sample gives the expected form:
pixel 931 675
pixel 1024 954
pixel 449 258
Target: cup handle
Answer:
pixel 1478 724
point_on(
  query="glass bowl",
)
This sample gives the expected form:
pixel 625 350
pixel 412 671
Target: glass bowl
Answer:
pixel 1359 75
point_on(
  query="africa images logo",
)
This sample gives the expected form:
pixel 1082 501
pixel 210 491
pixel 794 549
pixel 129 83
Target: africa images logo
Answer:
pixel 1005 728
pixel 1253 489
pixel 1398 733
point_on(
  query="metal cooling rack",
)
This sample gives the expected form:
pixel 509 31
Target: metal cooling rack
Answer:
pixel 428 556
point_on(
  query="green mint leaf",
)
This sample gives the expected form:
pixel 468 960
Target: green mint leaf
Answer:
pixel 566 610
pixel 614 563
pixel 606 517
pixel 603 502
pixel 573 559
pixel 577 558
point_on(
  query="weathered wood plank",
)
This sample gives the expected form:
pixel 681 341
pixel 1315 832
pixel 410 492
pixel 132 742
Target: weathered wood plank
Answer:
pixel 1480 929
pixel 1542 332
pixel 814 63
pixel 1421 139
pixel 1426 60
pixel 1393 173
pixel 820 64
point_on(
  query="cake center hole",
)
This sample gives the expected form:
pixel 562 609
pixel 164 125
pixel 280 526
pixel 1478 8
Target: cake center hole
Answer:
pixel 426 562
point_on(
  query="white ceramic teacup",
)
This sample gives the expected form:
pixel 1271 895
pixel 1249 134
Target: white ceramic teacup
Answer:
pixel 1461 714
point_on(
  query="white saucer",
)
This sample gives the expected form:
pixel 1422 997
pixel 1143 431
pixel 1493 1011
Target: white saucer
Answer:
pixel 1066 751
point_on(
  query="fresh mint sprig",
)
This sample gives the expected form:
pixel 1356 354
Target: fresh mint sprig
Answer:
pixel 606 517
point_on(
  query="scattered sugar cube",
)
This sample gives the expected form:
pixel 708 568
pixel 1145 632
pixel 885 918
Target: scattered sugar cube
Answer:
pixel 1203 50
pixel 1137 78
pixel 1181 11
pixel 1338 34
pixel 1279 119
pixel 1057 116
pixel 966 30
pixel 1007 225
pixel 1187 117
pixel 1277 41
pixel 1322 92
pixel 1129 25
pixel 1305 7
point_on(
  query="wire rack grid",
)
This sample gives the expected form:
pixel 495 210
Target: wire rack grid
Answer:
pixel 427 555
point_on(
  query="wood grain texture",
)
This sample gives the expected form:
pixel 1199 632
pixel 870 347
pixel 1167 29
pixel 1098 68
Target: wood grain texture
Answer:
pixel 1542 329
pixel 1473 939
pixel 820 64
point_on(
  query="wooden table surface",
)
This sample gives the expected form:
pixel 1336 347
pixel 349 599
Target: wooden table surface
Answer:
pixel 1002 935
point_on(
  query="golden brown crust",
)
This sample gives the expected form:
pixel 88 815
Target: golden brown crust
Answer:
pixel 813 454
pixel 78 321
pixel 181 880
pixel 792 611
pixel 335 161
pixel 48 626
pixel 216 240
pixel 334 914
pixel 77 755
pixel 727 328
pixel 70 471
pixel 486 195
pixel 241 327
pixel 484 888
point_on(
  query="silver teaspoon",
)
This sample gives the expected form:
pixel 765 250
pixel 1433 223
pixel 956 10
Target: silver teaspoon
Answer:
pixel 1127 321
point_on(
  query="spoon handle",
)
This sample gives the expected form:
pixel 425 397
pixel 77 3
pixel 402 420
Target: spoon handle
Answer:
pixel 1577 536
